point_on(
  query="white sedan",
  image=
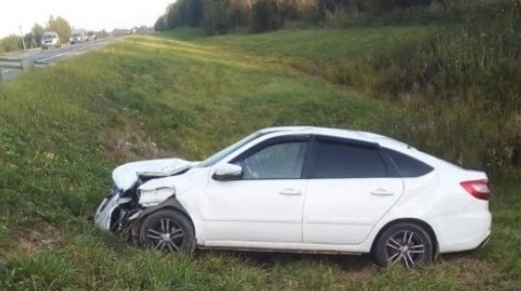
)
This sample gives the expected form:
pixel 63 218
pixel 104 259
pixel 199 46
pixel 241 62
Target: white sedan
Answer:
pixel 304 189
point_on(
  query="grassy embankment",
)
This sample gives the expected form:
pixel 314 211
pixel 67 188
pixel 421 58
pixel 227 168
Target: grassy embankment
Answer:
pixel 62 129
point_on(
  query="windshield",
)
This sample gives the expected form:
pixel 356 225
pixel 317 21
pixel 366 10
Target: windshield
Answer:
pixel 223 153
pixel 48 36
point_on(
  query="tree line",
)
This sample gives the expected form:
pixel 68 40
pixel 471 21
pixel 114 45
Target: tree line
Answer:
pixel 220 16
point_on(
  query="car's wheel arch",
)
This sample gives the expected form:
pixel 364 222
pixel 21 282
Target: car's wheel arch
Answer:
pixel 170 204
pixel 418 222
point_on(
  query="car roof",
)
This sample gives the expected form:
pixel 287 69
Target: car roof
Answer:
pixel 336 132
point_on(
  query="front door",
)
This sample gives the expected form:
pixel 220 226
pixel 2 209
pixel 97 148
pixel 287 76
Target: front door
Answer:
pixel 266 204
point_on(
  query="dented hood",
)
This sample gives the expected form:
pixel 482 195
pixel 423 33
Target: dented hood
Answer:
pixel 126 175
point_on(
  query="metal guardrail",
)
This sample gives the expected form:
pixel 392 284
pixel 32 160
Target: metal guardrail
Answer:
pixel 8 63
pixel 40 64
pixel 19 64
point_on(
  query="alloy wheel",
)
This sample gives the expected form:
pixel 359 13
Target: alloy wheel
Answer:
pixel 405 247
pixel 166 235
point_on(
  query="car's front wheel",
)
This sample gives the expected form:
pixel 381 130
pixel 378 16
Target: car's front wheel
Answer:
pixel 403 243
pixel 169 231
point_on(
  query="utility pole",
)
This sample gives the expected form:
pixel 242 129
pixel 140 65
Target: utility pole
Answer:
pixel 33 40
pixel 22 35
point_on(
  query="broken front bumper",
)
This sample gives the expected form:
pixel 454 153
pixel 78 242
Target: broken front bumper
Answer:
pixel 117 211
pixel 103 216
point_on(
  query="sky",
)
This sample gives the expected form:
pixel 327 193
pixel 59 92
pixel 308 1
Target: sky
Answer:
pixel 86 14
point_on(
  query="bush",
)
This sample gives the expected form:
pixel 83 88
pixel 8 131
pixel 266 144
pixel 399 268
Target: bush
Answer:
pixel 266 15
pixel 474 66
pixel 215 20
pixel 11 43
pixel 379 7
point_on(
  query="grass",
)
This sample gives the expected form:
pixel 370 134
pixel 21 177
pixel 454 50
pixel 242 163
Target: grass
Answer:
pixel 63 129
pixel 317 45
pixel 321 52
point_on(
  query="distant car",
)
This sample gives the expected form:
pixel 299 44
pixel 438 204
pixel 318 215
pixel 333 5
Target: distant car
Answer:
pixel 50 39
pixel 304 189
pixel 91 36
pixel 78 37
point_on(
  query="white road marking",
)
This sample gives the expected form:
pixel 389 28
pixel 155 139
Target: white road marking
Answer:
pixel 23 55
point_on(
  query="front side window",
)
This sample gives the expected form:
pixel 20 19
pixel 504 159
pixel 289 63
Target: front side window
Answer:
pixel 276 161
pixel 341 160
pixel 215 158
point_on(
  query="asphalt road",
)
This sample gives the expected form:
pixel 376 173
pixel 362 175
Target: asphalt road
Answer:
pixel 49 56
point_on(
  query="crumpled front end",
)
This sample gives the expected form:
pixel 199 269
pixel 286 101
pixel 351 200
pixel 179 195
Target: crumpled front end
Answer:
pixel 117 211
pixel 124 203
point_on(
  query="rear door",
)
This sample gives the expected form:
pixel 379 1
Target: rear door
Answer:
pixel 352 185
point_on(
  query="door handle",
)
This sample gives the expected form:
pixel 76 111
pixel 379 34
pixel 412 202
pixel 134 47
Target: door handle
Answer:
pixel 382 192
pixel 290 192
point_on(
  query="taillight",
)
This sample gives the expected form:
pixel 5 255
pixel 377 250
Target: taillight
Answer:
pixel 477 188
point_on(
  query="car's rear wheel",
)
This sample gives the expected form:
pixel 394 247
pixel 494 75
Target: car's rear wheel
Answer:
pixel 403 243
pixel 169 231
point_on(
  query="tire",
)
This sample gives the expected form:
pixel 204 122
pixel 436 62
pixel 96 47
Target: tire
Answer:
pixel 404 243
pixel 169 231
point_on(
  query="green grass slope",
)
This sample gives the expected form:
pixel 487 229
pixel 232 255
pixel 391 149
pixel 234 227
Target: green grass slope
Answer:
pixel 64 128
pixel 321 52
pixel 379 61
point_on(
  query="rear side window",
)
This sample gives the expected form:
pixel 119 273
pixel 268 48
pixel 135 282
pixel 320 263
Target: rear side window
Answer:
pixel 341 160
pixel 407 166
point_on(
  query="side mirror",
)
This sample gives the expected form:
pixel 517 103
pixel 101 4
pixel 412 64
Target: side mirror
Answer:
pixel 227 172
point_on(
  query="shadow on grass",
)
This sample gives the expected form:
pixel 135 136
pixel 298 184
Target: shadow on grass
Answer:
pixel 268 260
pixel 355 264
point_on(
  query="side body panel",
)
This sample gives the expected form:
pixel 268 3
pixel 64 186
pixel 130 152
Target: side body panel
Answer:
pixel 344 211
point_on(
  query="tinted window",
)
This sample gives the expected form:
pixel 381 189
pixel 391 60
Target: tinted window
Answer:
pixel 339 160
pixel 408 166
pixel 276 161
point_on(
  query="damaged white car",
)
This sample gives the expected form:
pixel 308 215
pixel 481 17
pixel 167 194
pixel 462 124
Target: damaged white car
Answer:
pixel 304 189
